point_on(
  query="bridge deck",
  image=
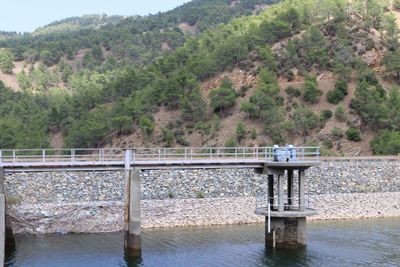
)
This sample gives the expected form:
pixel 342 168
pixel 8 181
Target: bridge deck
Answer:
pixel 147 158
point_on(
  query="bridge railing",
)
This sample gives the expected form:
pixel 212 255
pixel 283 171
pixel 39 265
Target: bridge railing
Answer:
pixel 118 155
pixel 201 153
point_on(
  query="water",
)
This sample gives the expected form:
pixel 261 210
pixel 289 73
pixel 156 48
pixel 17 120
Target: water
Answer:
pixel 340 243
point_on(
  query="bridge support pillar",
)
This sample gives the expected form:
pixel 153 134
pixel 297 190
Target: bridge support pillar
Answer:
pixel 7 241
pixel 133 241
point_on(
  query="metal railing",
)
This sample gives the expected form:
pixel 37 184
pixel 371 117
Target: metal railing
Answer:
pixel 292 204
pixel 10 157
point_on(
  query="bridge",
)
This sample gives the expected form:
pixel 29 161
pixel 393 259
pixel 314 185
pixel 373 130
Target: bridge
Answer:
pixel 30 160
pixel 272 161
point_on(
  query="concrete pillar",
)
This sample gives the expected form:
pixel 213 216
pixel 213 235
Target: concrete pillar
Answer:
pixel 281 197
pixel 9 240
pixel 301 190
pixel 133 241
pixel 290 188
pixel 2 228
pixel 271 190
pixel 289 232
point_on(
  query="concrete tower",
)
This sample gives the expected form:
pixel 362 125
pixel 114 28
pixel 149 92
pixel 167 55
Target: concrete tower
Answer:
pixel 286 211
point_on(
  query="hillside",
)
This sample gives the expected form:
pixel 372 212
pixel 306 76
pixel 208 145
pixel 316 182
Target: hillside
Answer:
pixel 297 72
pixel 126 40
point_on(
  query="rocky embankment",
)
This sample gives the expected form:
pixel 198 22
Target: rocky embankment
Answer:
pixel 94 201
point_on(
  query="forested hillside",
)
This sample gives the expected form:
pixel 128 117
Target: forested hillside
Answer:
pixel 210 73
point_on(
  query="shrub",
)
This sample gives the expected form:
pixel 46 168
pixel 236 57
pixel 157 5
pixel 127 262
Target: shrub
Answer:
pixel 240 132
pixel 230 143
pixel 293 91
pixel 326 114
pixel 168 137
pixel 353 134
pixel 147 126
pixel 396 4
pixel 199 194
pixel 340 113
pixel 334 96
pixel 243 90
pixel 290 75
pixel 253 133
pixel 328 144
pixel 337 133
pixel 311 91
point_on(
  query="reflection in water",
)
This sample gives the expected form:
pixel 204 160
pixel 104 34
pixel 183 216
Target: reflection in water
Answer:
pixel 350 243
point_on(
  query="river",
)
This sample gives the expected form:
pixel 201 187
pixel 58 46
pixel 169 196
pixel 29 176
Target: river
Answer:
pixel 336 243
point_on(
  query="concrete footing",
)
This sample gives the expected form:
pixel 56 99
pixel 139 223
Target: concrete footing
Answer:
pixel 289 232
pixel 133 245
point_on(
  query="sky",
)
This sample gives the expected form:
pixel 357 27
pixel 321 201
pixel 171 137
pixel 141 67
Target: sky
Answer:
pixel 27 15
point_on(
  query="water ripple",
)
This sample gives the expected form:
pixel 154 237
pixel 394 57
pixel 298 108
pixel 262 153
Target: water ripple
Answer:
pixel 348 243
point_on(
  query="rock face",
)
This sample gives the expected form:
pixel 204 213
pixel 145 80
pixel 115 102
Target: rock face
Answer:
pixel 93 201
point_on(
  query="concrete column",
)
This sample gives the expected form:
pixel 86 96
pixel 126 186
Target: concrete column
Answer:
pixel 290 188
pixel 2 228
pixel 271 190
pixel 133 242
pixel 289 232
pixel 301 190
pixel 281 197
pixel 9 241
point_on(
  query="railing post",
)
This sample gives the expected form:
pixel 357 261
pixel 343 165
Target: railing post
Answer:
pixel 127 159
pixel 236 153
pixel 101 154
pixel 1 157
pixel 14 156
pixel 211 153
pixel 44 155
pixel 72 155
pixel 185 154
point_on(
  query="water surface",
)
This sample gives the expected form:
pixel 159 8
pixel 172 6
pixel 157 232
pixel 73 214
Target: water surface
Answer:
pixel 339 243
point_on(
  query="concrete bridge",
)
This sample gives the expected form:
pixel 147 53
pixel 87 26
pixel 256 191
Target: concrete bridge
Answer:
pixel 271 161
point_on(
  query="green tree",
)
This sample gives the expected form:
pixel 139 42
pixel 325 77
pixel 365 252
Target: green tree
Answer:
pixel 338 94
pixel 386 143
pixel 193 107
pixel 311 90
pixel 240 132
pixel 122 123
pixel 6 61
pixel 391 60
pixel 222 98
pixel 304 121
pixel 146 126
pixel 204 129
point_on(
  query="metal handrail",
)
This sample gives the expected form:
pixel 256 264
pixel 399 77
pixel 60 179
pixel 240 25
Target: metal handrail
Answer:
pixel 104 155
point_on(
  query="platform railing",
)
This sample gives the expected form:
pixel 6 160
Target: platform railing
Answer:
pixel 265 202
pixel 156 155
